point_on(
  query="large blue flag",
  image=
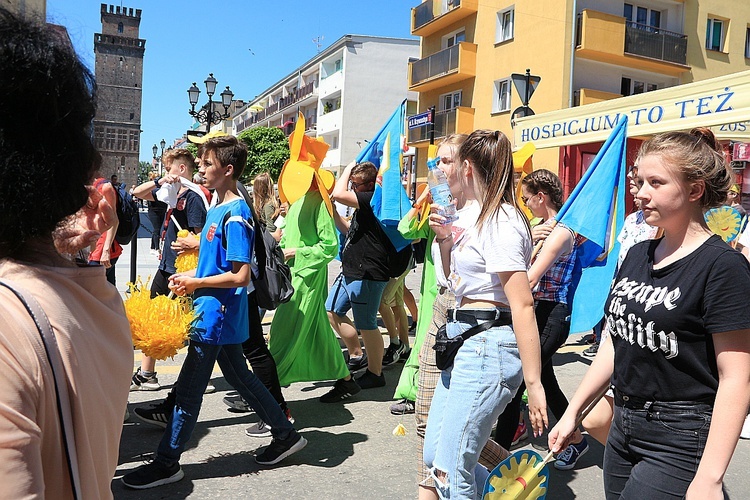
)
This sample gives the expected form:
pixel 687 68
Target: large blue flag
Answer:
pixel 596 210
pixel 389 202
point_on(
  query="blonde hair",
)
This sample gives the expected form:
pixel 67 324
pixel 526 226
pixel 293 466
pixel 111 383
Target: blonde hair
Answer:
pixel 263 193
pixel 697 155
pixel 490 155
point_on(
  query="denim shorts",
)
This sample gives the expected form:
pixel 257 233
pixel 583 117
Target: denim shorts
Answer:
pixel 361 296
pixel 653 449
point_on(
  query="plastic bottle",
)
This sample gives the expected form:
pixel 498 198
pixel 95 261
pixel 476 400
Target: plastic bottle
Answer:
pixel 440 192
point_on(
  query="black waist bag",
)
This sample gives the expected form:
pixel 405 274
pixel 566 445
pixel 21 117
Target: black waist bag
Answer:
pixel 447 348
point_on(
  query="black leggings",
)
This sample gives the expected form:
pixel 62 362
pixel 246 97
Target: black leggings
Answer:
pixel 554 327
pixel 257 353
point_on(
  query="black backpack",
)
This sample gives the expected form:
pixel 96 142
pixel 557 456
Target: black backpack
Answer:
pixel 273 285
pixel 129 219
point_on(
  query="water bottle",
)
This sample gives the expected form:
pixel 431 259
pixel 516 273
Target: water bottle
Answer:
pixel 440 192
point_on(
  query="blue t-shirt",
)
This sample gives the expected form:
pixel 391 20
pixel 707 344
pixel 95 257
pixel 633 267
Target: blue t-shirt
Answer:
pixel 221 313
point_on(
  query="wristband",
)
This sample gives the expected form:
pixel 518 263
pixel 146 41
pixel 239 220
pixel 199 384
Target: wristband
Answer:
pixel 442 240
pixel 156 182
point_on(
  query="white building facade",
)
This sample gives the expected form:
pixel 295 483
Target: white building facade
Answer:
pixel 346 93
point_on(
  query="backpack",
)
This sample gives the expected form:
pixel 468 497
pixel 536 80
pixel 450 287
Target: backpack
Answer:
pixel 127 214
pixel 273 285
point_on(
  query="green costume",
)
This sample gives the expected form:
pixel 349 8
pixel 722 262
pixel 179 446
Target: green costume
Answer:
pixel 409 229
pixel 302 341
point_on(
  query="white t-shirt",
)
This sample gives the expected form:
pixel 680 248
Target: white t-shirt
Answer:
pixel 467 217
pixel 503 244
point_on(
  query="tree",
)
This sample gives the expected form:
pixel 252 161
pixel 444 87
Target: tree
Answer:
pixel 192 148
pixel 267 150
pixel 144 167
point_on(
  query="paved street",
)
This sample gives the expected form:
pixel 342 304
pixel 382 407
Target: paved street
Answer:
pixel 352 452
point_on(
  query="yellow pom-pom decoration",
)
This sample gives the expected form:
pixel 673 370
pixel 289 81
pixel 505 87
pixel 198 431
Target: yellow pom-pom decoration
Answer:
pixel 400 430
pixel 159 326
pixel 186 260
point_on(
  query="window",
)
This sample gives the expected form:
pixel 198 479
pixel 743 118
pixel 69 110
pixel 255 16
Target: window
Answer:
pixel 454 38
pixel 337 65
pixel 501 99
pixel 119 27
pixel 450 100
pixel 747 42
pixel 642 17
pixel 504 28
pixel 715 34
pixel 630 86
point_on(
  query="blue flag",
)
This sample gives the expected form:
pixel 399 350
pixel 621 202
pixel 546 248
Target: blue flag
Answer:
pixel 389 202
pixel 596 211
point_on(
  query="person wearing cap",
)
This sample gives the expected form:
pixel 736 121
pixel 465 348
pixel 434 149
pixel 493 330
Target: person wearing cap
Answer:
pixel 733 199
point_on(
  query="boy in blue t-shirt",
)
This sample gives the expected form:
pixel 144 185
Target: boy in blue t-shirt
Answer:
pixel 219 289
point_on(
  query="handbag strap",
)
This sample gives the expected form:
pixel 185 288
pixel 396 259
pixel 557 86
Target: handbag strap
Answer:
pixel 484 326
pixel 52 354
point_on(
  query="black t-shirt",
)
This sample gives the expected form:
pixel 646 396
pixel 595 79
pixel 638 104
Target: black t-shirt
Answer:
pixel 661 321
pixel 190 213
pixel 368 253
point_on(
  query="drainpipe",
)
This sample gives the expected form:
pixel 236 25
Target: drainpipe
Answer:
pixel 573 52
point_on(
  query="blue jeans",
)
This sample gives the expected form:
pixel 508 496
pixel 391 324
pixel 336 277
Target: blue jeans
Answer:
pixel 191 384
pixel 469 397
pixel 654 449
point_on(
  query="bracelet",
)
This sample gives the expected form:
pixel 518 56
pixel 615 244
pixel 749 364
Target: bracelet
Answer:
pixel 441 240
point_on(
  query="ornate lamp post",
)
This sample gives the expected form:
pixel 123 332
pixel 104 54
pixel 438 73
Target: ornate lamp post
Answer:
pixel 206 114
pixel 155 150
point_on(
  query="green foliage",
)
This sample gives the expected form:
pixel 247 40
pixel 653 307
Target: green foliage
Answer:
pixel 193 148
pixel 267 150
pixel 144 167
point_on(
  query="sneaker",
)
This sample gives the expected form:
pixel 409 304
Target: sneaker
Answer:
pixel 589 339
pixel 262 429
pixel 157 414
pixel 210 388
pixel 236 403
pixel 522 433
pixel 405 355
pixel 745 434
pixel 357 363
pixel 151 475
pixel 413 327
pixel 278 450
pixel 591 351
pixel 342 390
pixel 403 407
pixel 393 353
pixel 369 380
pixel 141 383
pixel 570 455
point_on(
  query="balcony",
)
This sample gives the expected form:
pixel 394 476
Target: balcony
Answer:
pixel 434 15
pixel 331 84
pixel 585 96
pixel 458 120
pixel 611 39
pixel 643 40
pixel 449 66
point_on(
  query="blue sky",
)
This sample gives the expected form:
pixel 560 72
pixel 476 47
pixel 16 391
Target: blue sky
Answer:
pixel 186 40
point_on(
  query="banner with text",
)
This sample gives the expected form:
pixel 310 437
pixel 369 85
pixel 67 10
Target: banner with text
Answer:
pixel 715 102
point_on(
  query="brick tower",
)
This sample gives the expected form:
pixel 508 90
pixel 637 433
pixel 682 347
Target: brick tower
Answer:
pixel 119 77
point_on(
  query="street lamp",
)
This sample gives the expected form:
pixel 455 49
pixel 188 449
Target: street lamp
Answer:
pixel 155 150
pixel 206 114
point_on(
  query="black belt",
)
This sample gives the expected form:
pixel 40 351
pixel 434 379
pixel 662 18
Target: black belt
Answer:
pixel 638 403
pixel 469 315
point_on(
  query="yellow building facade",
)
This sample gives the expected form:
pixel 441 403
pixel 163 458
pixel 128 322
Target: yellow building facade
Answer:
pixel 585 51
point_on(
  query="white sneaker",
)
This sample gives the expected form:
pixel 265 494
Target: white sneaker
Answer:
pixel 745 434
pixel 210 388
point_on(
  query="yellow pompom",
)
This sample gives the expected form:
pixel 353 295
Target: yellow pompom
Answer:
pixel 182 233
pixel 186 261
pixel 159 326
pixel 400 430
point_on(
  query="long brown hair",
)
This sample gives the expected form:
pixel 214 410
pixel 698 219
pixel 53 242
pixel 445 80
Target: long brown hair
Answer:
pixel 490 155
pixel 263 193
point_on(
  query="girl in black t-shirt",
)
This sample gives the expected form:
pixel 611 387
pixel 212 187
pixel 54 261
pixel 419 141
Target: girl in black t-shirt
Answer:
pixel 678 353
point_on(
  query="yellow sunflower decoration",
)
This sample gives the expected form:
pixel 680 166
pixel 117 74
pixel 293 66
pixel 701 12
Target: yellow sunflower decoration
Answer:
pixel 186 260
pixel 305 157
pixel 724 221
pixel 523 475
pixel 159 326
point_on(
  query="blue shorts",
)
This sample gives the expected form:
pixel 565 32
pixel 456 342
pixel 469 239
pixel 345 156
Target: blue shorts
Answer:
pixel 361 296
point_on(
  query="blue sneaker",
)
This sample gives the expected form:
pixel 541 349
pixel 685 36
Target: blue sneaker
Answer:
pixel 570 455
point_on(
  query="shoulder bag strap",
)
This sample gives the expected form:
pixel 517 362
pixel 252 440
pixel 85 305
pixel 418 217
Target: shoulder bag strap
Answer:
pixel 58 373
